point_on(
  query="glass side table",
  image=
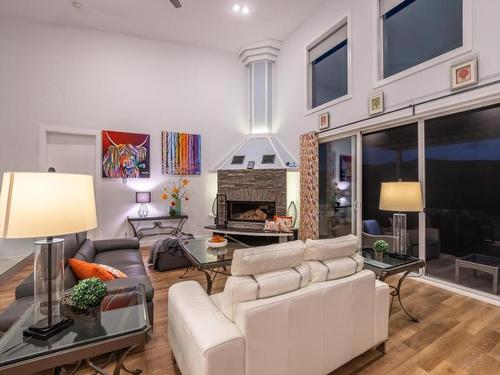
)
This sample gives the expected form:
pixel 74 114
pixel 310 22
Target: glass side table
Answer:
pixel 123 325
pixel 393 264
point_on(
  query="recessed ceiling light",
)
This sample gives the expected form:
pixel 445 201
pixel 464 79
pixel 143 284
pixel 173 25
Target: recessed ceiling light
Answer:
pixel 77 5
pixel 236 8
pixel 245 10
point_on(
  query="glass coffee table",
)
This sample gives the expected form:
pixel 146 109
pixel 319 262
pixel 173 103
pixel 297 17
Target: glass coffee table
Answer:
pixel 210 261
pixel 393 264
pixel 123 324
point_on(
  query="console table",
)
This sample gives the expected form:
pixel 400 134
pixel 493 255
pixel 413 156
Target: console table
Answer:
pixel 156 222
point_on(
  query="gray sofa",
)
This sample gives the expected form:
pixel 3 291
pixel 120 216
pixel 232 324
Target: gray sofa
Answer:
pixel 122 254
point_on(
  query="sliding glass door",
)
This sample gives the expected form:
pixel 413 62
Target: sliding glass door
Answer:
pixel 388 155
pixel 337 187
pixel 462 180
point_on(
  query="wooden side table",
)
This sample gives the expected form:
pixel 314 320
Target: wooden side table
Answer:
pixel 157 222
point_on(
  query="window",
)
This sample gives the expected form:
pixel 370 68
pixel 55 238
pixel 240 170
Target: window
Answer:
pixel 328 66
pixel 415 31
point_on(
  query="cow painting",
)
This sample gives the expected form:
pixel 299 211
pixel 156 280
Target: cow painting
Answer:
pixel 125 155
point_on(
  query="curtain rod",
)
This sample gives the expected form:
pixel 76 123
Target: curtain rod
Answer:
pixel 412 106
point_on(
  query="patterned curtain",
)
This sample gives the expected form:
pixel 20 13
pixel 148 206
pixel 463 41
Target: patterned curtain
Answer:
pixel 309 186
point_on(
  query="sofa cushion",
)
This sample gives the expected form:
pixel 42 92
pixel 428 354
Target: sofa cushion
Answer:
pixel 331 248
pixel 263 259
pixel 335 268
pixel 81 238
pixel 120 258
pixel 240 289
pixel 86 252
pixel 26 288
pixel 372 227
pixel 70 246
pixel 12 313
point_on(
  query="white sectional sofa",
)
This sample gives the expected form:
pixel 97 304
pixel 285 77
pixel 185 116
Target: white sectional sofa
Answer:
pixel 287 309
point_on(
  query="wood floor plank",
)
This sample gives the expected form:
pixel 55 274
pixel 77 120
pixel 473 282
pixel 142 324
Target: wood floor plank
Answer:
pixel 451 326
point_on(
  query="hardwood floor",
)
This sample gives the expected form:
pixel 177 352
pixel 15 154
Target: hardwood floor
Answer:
pixel 456 334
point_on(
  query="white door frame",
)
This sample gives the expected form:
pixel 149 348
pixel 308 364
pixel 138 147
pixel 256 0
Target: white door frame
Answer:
pixel 43 132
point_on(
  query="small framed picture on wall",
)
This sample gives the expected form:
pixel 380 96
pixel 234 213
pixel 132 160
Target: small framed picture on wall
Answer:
pixel 376 103
pixel 324 121
pixel 464 74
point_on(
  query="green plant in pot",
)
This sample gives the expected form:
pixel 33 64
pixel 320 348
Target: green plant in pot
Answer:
pixel 380 247
pixel 84 300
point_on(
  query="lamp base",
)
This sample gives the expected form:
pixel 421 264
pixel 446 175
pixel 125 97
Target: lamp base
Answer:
pixel 42 331
pixel 399 231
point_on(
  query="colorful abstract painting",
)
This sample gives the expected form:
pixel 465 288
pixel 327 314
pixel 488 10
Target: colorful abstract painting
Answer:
pixel 181 153
pixel 125 155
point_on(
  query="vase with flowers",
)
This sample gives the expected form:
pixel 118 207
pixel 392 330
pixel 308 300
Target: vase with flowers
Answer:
pixel 176 192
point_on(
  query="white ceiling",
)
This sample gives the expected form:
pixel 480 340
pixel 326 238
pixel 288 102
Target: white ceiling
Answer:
pixel 203 23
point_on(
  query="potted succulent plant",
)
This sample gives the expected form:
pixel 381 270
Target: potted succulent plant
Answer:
pixel 380 247
pixel 84 300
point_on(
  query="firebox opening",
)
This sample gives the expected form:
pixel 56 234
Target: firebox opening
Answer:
pixel 251 211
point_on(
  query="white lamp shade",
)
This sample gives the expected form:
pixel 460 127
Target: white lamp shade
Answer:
pixel 401 197
pixel 36 205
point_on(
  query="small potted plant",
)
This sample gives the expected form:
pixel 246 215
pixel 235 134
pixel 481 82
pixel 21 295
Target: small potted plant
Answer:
pixel 380 247
pixel 84 300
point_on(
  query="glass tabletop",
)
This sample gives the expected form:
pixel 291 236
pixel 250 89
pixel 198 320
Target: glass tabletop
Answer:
pixel 389 260
pixel 122 312
pixel 206 256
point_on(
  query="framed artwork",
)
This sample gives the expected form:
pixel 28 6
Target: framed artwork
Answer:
pixel 125 155
pixel 345 168
pixel 181 153
pixel 324 121
pixel 376 103
pixel 464 74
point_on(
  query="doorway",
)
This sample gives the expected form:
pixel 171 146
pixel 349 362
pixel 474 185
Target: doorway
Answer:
pixel 70 150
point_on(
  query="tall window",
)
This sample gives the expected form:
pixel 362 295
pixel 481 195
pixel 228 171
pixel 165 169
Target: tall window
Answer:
pixel 329 70
pixel 415 31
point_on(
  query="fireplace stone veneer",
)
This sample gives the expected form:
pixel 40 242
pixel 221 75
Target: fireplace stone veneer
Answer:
pixel 257 185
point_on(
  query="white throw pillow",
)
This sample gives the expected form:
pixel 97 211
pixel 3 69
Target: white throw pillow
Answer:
pixel 332 248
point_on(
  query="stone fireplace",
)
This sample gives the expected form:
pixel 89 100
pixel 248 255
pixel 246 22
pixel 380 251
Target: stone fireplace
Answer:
pixel 252 196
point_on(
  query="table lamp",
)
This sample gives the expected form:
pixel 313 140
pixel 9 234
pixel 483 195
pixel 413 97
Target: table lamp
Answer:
pixel 143 198
pixel 45 205
pixel 400 197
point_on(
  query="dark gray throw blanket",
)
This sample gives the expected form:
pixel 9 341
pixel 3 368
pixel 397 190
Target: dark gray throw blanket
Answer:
pixel 168 245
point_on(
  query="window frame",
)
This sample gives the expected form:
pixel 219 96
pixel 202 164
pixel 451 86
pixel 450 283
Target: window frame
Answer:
pixel 378 46
pixel 345 19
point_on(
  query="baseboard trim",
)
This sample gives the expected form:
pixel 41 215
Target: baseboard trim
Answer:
pixel 4 277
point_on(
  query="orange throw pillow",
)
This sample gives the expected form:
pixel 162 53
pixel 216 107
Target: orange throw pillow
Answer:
pixel 84 270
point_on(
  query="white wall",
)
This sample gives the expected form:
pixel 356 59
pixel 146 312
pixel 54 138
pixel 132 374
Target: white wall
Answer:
pixel 290 115
pixel 87 79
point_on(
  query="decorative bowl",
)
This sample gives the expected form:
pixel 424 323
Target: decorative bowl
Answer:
pixel 217 244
